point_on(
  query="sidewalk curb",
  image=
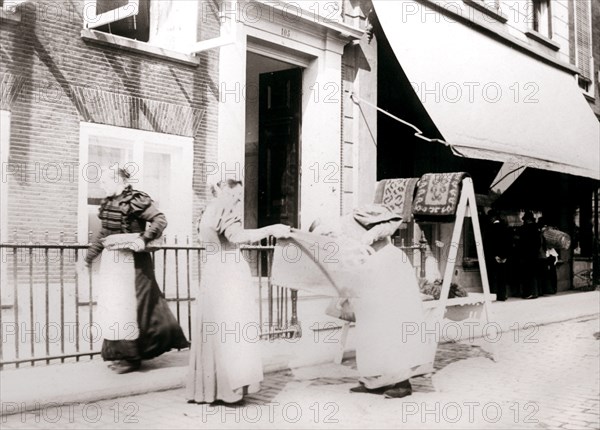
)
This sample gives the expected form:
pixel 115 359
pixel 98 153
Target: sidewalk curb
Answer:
pixel 169 371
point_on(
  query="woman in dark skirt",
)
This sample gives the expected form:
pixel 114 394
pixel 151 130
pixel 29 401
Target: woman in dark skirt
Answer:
pixel 134 316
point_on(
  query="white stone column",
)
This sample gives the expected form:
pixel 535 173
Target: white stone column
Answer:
pixel 232 106
pixel 321 135
pixel 366 144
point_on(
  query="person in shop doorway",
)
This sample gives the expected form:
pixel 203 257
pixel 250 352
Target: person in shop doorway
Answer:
pixel 530 252
pixel 498 247
pixel 548 264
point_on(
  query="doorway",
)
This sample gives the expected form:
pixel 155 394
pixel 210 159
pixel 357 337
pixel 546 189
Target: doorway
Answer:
pixel 278 147
pixel 273 149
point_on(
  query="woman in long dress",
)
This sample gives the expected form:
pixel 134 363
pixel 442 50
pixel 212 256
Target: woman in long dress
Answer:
pixel 225 358
pixel 389 315
pixel 134 317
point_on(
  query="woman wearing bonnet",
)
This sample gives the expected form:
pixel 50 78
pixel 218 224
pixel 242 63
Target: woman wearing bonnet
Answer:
pixel 225 359
pixel 386 301
pixel 134 317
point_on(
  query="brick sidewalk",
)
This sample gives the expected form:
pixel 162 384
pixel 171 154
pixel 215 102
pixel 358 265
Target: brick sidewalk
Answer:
pixel 546 377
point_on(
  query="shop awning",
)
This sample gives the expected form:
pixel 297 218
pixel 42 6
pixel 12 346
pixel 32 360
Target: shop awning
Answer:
pixel 489 100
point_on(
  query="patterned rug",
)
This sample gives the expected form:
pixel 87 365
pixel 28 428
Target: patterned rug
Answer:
pixel 397 195
pixel 438 193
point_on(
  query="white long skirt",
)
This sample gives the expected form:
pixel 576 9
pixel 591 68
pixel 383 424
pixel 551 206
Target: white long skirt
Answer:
pixel 388 312
pixel 225 357
pixel 117 304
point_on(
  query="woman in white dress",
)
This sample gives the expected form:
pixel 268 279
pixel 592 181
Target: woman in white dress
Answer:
pixel 225 358
pixel 387 306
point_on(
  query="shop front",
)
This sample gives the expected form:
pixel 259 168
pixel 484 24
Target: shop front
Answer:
pixel 489 103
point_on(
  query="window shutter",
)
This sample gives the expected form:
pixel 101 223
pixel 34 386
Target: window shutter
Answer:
pixel 583 37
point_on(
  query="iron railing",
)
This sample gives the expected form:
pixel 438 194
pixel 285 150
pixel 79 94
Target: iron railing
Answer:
pixel 47 304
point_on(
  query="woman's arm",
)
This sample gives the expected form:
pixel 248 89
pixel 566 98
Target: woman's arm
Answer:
pixel 380 231
pixel 96 247
pixel 237 234
pixel 157 220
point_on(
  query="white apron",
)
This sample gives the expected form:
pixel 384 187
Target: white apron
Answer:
pixel 117 304
pixel 389 305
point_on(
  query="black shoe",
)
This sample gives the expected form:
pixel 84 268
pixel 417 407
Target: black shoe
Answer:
pixel 126 366
pixel 219 402
pixel 402 389
pixel 362 389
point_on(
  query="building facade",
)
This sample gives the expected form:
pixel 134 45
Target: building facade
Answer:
pixel 182 94
pixel 504 88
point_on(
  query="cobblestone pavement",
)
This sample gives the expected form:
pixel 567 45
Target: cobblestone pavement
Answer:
pixel 546 377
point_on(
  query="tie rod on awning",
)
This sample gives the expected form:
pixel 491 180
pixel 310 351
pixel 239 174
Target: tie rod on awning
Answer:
pixel 418 133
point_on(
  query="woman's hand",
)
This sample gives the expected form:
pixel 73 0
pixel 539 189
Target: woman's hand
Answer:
pixel 136 245
pixel 367 238
pixel 280 231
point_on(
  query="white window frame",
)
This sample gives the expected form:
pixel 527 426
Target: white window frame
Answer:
pixel 492 4
pixel 10 10
pixel 162 42
pixel 546 15
pixel 91 20
pixel 139 140
pixel 11 6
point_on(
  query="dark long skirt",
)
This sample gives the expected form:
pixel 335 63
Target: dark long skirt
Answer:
pixel 158 327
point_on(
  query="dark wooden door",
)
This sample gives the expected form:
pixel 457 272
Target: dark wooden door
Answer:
pixel 279 147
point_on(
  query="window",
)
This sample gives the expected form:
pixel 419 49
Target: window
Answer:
pixel 11 5
pixel 10 9
pixel 489 8
pixel 160 165
pixel 583 46
pixel 492 4
pixel 542 17
pixel 128 18
pixel 168 24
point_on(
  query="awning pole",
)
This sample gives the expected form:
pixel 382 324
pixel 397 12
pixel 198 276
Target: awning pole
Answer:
pixel 595 250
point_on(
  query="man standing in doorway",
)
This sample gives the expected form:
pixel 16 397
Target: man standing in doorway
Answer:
pixel 530 247
pixel 498 245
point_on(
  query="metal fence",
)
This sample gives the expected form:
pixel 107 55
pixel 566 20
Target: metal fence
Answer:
pixel 47 300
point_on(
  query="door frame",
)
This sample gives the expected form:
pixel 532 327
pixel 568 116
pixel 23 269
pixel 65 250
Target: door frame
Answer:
pixel 299 150
pixel 323 57
pixel 255 46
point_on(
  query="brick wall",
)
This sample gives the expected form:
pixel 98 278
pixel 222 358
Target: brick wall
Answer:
pixel 46 69
pixel 44 57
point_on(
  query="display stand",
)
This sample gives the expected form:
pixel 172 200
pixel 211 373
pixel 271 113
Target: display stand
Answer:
pixel 461 307
pixel 467 208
